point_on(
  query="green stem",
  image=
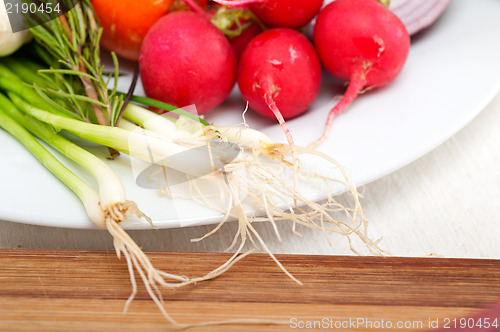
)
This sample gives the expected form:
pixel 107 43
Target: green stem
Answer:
pixel 13 83
pixel 67 72
pixel 108 136
pixel 25 70
pixel 110 186
pixel 84 192
pixel 164 106
pixel 145 146
pixel 149 120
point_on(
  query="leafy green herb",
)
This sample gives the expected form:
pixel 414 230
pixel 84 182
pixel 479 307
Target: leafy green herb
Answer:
pixel 75 75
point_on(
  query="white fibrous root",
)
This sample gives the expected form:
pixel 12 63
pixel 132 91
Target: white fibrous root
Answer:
pixel 153 279
pixel 258 186
pixel 137 259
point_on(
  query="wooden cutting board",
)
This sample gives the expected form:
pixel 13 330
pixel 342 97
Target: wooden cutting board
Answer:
pixel 43 290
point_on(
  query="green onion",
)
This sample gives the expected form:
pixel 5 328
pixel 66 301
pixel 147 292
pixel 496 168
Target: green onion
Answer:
pixel 165 125
pixel 25 69
pixel 149 120
pixel 164 106
pixel 145 146
pixel 11 82
pixel 85 193
pixel 111 190
pixel 111 215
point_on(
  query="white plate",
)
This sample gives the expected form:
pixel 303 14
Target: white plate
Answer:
pixel 451 74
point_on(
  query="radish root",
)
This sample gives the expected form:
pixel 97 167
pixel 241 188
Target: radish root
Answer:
pixel 257 178
pixel 266 86
pixel 355 87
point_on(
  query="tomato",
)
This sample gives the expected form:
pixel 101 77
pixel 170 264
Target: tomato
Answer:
pixel 126 22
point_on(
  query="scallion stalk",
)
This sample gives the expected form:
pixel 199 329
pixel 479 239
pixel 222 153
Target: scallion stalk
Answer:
pixel 11 82
pixel 148 146
pixel 111 190
pixel 107 217
pixel 165 125
pixel 89 198
pixel 25 69
pixel 164 106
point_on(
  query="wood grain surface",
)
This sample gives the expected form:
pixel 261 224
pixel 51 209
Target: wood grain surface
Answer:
pixel 86 291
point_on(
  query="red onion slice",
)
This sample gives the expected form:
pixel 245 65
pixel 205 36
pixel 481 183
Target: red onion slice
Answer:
pixel 418 14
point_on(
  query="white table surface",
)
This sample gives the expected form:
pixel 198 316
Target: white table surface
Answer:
pixel 445 203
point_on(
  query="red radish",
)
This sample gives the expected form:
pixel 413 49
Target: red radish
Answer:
pixel 280 13
pixel 227 24
pixel 360 41
pixel 240 42
pixel 279 75
pixel 186 60
pixel 279 69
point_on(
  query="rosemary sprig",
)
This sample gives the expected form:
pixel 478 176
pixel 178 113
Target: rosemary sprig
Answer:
pixel 72 40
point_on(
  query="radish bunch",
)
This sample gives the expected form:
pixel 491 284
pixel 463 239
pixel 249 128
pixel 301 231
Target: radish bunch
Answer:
pixel 186 60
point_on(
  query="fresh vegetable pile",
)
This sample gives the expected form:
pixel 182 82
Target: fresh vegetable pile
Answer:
pixel 194 53
pixel 186 57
